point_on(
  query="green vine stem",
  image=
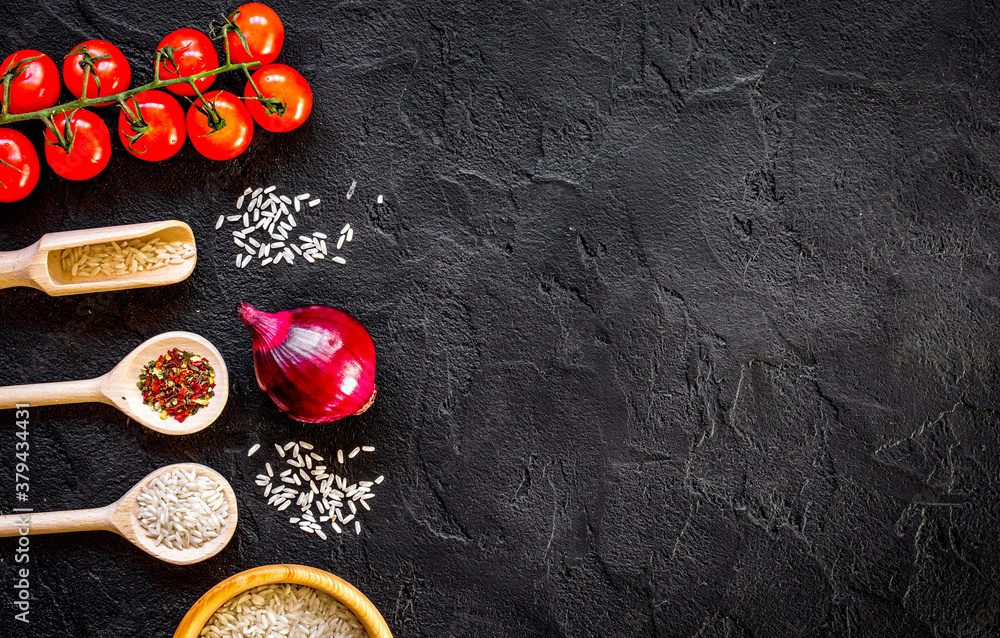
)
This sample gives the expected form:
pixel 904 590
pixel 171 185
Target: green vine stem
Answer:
pixel 215 121
pixel 135 121
pixel 11 72
pixel 272 105
pixel 104 100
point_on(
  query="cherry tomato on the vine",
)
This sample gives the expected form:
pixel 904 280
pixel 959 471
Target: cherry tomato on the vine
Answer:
pixel 34 85
pixel 91 145
pixel 105 61
pixel 286 84
pixel 192 53
pixel 18 166
pixel 227 129
pixel 263 31
pixel 152 128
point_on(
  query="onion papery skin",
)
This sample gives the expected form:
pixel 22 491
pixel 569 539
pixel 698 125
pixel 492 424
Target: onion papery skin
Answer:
pixel 317 363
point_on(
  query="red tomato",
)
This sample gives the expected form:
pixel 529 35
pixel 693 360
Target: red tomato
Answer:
pixel 263 31
pixel 18 165
pixel 233 128
pixel 113 73
pixel 156 130
pixel 285 83
pixel 34 85
pixel 193 52
pixel 90 150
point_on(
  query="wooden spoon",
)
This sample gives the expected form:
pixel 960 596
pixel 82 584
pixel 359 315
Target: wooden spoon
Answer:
pixel 40 264
pixel 122 518
pixel 118 387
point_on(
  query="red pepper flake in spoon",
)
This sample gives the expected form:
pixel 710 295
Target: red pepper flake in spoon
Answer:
pixel 177 384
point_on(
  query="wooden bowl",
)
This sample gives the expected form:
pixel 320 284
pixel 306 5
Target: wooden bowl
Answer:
pixel 343 591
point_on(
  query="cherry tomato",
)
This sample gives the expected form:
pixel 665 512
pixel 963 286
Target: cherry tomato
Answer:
pixel 91 148
pixel 220 142
pixel 34 85
pixel 193 52
pixel 155 123
pixel 18 166
pixel 113 72
pixel 286 84
pixel 263 31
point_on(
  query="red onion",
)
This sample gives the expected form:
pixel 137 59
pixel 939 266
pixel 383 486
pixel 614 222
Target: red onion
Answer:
pixel 316 363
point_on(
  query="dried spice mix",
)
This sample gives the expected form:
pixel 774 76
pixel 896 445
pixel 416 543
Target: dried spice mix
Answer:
pixel 177 385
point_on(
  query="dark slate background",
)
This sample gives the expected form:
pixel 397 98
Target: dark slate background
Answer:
pixel 686 317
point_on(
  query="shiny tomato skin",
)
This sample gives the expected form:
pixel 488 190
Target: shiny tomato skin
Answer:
pixel 91 150
pixel 115 73
pixel 18 182
pixel 36 87
pixel 165 119
pixel 285 83
pixel 230 140
pixel 193 53
pixel 263 31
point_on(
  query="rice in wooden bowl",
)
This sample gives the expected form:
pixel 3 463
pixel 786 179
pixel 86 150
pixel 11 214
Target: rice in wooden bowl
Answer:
pixel 288 600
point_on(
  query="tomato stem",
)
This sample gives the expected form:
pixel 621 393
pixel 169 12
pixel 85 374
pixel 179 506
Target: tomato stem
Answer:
pixel 86 81
pixel 215 121
pixel 84 102
pixel 64 138
pixel 89 64
pixel 225 46
pixel 135 121
pixel 168 53
pixel 220 31
pixel 6 96
pixel 156 65
pixel 13 70
pixel 273 105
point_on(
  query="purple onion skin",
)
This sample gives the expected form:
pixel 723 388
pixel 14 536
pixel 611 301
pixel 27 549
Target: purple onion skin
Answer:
pixel 316 363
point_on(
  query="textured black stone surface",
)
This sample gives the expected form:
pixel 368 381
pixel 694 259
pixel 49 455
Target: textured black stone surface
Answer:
pixel 686 316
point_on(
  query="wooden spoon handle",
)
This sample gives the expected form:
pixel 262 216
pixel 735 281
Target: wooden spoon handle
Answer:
pixel 98 518
pixel 52 393
pixel 14 267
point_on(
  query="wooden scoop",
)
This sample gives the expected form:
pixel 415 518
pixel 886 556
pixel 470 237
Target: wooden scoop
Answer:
pixel 122 518
pixel 118 387
pixel 40 264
